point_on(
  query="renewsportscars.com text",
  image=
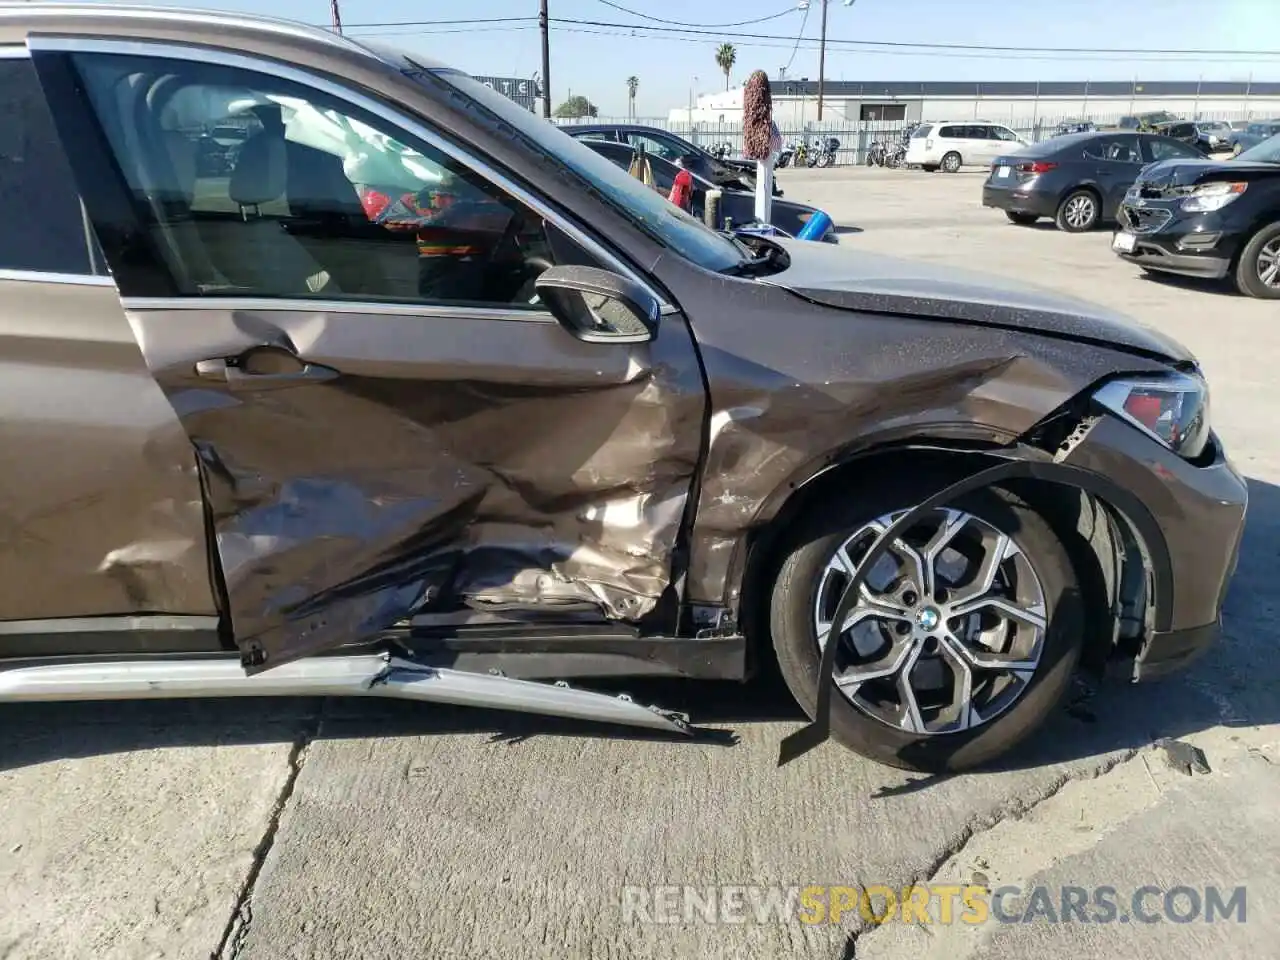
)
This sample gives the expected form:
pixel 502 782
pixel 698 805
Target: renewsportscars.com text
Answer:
pixel 936 903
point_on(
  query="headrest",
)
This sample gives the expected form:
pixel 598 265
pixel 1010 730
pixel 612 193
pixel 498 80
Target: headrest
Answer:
pixel 261 170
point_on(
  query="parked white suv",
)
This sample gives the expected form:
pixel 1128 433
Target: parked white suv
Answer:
pixel 952 144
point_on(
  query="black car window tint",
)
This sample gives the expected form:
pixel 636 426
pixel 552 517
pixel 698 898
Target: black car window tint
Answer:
pixel 42 223
pixel 311 198
pixel 659 148
pixel 1112 149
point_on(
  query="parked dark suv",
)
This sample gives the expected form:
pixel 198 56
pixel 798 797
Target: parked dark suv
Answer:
pixel 427 399
pixel 1208 218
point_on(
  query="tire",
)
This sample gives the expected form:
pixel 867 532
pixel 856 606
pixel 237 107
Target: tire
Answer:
pixel 1079 212
pixel 952 162
pixel 1258 268
pixel 802 589
pixel 1022 219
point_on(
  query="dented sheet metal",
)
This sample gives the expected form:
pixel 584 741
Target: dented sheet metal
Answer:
pixel 796 385
pixel 100 504
pixel 457 458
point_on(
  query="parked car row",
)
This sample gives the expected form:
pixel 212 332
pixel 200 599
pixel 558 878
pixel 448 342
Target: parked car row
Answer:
pixel 1176 210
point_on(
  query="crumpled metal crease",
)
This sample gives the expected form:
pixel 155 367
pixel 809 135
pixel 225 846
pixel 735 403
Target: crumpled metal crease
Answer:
pixel 785 406
pixel 471 484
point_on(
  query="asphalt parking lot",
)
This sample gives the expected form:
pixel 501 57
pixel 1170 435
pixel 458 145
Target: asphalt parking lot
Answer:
pixel 306 829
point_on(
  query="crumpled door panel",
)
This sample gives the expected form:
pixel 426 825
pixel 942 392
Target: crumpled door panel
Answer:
pixel 456 459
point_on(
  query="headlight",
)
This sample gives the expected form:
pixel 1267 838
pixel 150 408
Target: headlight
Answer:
pixel 1173 409
pixel 1212 196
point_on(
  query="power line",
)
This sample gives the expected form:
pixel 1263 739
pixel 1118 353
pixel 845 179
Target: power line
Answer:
pixel 989 48
pixel 877 46
pixel 681 23
pixel 799 36
pixel 441 23
pixel 813 45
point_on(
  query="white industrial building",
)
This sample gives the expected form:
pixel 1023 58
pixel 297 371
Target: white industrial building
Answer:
pixel 848 103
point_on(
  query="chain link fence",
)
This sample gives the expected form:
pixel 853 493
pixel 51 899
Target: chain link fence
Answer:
pixel 856 138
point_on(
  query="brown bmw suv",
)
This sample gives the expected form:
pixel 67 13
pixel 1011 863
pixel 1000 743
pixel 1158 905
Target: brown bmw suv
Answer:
pixel 404 392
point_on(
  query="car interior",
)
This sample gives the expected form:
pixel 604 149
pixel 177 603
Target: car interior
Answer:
pixel 312 203
pixel 1117 151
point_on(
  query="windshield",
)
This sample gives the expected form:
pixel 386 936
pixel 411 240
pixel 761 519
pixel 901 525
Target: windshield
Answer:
pixel 1268 151
pixel 654 214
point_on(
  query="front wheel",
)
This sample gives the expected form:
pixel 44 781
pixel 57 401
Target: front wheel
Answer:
pixel 964 636
pixel 1258 269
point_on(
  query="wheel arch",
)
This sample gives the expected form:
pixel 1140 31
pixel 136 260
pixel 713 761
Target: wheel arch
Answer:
pixel 1098 522
pixel 1087 185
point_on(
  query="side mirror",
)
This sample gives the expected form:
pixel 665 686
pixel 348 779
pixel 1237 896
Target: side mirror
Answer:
pixel 597 306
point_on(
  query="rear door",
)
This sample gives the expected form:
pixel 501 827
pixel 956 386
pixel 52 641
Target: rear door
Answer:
pixel 1116 161
pixel 979 145
pixel 384 419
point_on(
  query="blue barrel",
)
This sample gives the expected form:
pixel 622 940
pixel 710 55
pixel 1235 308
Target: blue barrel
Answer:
pixel 816 227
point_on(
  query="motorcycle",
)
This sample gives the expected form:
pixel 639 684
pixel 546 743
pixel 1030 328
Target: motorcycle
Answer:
pixel 824 154
pixel 721 151
pixel 800 154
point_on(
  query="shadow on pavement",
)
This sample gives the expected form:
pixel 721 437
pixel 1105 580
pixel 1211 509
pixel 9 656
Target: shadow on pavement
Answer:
pixel 1235 684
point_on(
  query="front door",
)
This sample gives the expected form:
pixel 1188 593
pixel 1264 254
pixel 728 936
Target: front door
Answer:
pixel 342 314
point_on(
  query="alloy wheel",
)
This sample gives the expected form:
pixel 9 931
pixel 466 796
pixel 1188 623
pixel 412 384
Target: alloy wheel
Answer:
pixel 949 625
pixel 1269 264
pixel 951 163
pixel 1080 211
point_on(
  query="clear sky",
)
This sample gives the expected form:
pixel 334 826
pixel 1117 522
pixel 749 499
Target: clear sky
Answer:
pixel 596 60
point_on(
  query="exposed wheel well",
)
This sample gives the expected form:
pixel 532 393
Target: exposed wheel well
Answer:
pixel 1086 188
pixel 1096 538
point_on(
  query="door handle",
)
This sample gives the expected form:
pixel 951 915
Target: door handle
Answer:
pixel 231 373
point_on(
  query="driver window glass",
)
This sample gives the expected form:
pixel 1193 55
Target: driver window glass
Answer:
pixel 1113 150
pixel 254 186
pixel 655 147
pixel 1164 149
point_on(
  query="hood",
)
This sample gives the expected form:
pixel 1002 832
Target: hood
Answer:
pixel 844 278
pixel 1158 178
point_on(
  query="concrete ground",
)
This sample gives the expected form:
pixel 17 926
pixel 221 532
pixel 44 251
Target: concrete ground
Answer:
pixel 266 830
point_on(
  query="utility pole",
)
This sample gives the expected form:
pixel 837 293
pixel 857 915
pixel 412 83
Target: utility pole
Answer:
pixel 337 16
pixel 822 53
pixel 822 57
pixel 546 59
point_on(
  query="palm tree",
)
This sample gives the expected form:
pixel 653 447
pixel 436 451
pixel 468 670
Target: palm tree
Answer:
pixel 632 83
pixel 726 57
